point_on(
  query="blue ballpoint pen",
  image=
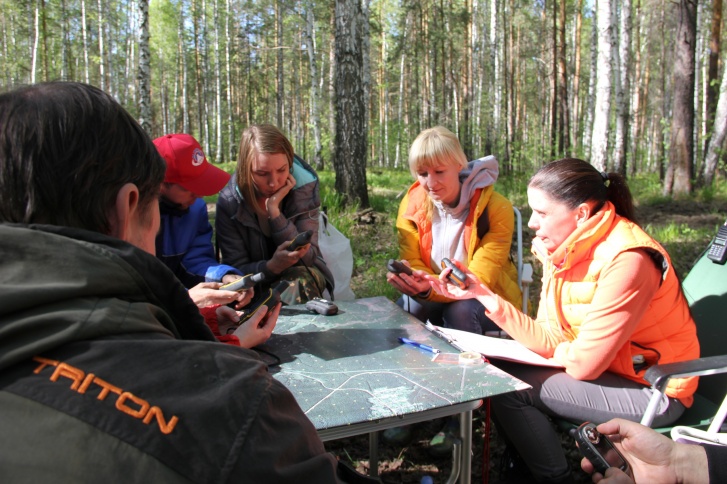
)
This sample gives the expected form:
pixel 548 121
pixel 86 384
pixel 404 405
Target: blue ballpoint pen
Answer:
pixel 407 341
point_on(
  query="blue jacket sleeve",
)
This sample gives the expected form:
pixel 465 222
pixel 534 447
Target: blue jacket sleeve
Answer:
pixel 200 258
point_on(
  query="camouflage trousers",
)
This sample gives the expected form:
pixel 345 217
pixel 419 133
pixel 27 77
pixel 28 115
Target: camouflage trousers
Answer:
pixel 305 284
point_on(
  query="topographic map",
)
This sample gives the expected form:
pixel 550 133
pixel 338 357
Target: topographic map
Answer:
pixel 351 368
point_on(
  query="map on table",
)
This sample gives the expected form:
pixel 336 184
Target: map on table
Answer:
pixel 351 367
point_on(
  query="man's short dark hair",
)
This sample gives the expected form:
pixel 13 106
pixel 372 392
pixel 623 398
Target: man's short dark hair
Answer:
pixel 66 149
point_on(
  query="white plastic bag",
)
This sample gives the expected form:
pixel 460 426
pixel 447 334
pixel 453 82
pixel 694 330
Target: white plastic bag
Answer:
pixel 336 251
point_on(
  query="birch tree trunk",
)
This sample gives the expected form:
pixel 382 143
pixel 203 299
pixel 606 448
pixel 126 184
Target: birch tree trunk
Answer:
pixel 101 49
pixel 229 42
pixel 204 107
pixel 351 120
pixel 84 34
pixel 219 152
pixel 576 104
pixel 621 141
pixel 680 171
pixel 310 33
pixel 495 62
pixel 36 42
pixel 599 138
pixel 144 76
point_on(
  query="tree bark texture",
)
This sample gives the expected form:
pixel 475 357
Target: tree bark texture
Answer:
pixel 681 150
pixel 351 121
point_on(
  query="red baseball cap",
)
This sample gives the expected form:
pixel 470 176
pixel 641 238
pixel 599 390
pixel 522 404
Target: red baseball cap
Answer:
pixel 187 165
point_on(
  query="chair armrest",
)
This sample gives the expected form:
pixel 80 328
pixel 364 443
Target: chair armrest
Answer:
pixel 527 275
pixel 659 375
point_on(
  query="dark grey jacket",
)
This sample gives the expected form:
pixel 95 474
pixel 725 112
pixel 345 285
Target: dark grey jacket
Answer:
pixel 242 243
pixel 109 374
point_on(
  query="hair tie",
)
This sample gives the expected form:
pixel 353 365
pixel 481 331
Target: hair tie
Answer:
pixel 606 181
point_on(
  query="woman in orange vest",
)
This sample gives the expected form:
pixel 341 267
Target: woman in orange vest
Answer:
pixel 610 307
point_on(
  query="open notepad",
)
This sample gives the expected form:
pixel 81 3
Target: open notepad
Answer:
pixel 505 349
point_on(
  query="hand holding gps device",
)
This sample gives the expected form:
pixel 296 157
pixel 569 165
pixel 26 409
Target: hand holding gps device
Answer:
pixel 245 282
pixel 398 267
pixel 599 450
pixel 269 299
pixel 300 241
pixel 456 277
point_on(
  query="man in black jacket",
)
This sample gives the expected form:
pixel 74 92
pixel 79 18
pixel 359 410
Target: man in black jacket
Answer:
pixel 107 370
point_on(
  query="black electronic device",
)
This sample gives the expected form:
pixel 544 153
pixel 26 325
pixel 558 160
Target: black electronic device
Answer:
pixel 456 277
pixel 599 450
pixel 300 240
pixel 245 282
pixel 321 306
pixel 717 252
pixel 398 267
pixel 269 299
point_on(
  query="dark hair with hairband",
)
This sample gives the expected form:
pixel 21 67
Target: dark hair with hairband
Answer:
pixel 573 181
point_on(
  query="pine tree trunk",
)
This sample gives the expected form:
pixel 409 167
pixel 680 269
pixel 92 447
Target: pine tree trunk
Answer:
pixel 712 90
pixel 621 142
pixel 351 120
pixel 681 148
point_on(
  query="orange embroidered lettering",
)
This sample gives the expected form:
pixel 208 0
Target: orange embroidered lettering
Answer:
pixel 121 405
pixel 165 427
pixel 86 383
pixel 70 372
pixel 106 388
pixel 43 363
pixel 81 382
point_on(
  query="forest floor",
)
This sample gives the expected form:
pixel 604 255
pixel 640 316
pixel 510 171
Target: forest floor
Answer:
pixel 409 463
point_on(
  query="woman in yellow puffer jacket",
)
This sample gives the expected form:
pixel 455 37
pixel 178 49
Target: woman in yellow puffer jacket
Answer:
pixel 452 211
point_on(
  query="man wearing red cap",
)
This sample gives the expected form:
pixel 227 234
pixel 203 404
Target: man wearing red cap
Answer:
pixel 184 241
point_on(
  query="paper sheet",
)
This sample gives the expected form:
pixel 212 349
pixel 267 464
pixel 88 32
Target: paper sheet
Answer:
pixel 506 349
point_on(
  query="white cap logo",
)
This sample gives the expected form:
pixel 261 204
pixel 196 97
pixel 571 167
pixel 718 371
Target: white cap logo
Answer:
pixel 197 157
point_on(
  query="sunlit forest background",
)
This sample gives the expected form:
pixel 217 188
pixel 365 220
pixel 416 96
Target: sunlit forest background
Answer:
pixel 528 81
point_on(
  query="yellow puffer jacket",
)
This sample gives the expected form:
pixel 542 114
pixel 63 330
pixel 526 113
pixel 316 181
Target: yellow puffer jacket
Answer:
pixel 488 257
